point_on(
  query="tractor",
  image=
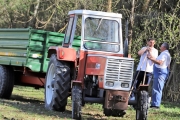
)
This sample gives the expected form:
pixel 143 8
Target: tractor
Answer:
pixel 99 71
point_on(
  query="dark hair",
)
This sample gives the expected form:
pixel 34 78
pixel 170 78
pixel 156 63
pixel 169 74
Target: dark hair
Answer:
pixel 166 45
pixel 149 39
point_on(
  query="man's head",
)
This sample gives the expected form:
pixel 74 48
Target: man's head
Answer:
pixel 151 42
pixel 164 46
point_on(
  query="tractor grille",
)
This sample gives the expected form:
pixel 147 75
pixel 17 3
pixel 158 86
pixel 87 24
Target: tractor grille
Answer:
pixel 119 69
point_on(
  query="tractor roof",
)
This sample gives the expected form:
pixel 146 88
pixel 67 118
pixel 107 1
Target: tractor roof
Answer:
pixel 96 13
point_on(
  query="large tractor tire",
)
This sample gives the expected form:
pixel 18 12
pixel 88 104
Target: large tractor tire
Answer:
pixel 57 85
pixel 76 102
pixel 142 105
pixel 6 81
pixel 115 113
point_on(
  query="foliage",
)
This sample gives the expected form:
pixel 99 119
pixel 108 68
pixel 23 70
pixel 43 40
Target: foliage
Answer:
pixel 152 18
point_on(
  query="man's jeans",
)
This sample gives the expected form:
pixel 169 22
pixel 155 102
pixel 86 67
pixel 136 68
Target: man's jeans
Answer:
pixel 160 77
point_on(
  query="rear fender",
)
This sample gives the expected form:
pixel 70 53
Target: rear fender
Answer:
pixel 64 54
pixel 67 55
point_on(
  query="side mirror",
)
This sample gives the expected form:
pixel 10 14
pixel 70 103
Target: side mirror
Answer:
pixel 126 40
pixel 125 48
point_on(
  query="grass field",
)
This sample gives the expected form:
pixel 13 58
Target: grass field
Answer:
pixel 27 103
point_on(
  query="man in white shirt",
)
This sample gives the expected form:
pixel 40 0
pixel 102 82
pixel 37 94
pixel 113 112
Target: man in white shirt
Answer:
pixel 145 66
pixel 161 71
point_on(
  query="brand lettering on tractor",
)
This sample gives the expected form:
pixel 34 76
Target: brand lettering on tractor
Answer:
pixel 93 65
pixel 97 66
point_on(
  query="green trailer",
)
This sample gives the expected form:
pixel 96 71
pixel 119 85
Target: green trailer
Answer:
pixel 23 56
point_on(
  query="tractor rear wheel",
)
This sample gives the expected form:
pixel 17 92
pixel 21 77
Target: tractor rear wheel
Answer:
pixel 6 81
pixel 76 102
pixel 142 105
pixel 57 85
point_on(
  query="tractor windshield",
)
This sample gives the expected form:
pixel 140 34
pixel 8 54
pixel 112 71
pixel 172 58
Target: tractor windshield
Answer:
pixel 101 34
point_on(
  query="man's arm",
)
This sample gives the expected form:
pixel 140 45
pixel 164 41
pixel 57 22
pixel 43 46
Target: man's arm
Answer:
pixel 140 52
pixel 159 62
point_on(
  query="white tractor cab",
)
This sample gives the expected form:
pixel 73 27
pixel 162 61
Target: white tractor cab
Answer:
pixel 99 72
pixel 100 31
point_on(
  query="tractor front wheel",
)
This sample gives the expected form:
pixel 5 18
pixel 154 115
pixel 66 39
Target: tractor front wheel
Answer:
pixel 142 105
pixel 76 102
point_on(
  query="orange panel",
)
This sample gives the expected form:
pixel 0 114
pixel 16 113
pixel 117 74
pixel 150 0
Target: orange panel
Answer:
pixel 81 71
pixel 82 62
pixel 95 65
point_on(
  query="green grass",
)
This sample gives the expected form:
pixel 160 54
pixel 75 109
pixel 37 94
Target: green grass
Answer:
pixel 27 103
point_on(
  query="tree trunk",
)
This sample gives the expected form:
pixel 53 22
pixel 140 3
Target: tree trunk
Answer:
pixel 33 20
pixel 131 25
pixel 109 6
pixel 145 5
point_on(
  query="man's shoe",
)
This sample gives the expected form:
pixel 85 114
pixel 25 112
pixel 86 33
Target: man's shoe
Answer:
pixel 154 107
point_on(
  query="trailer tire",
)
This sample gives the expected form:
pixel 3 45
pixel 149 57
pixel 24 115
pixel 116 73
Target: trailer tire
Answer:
pixel 142 105
pixel 6 81
pixel 57 85
pixel 76 102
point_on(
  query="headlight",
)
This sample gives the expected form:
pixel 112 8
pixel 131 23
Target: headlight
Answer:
pixel 125 85
pixel 110 84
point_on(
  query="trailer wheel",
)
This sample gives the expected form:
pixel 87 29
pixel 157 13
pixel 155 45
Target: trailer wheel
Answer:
pixel 6 81
pixel 115 113
pixel 142 105
pixel 76 102
pixel 57 85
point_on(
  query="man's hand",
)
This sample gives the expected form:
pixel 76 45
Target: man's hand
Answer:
pixel 150 57
pixel 159 62
pixel 148 49
pixel 142 51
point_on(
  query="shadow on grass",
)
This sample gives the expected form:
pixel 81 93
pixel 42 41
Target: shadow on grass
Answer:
pixel 25 106
pixel 33 106
pixel 23 99
pixel 93 117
